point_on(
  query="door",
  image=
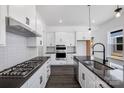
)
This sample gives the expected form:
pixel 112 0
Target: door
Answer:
pixel 88 48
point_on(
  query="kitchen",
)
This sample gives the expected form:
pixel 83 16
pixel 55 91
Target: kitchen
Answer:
pixel 61 46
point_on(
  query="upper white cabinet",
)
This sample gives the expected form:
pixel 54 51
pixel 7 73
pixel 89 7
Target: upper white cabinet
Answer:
pixel 83 35
pixel 3 14
pixel 70 38
pixel 40 26
pixel 25 14
pixel 60 38
pixel 50 38
pixel 66 38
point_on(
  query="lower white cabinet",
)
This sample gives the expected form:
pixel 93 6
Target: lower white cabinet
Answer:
pixel 48 68
pixel 70 59
pixel 39 78
pixel 3 14
pixel 89 82
pixel 87 79
pixel 81 77
pixel 101 84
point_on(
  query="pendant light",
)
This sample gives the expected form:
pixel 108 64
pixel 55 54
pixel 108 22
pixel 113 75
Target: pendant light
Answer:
pixel 118 11
pixel 89 18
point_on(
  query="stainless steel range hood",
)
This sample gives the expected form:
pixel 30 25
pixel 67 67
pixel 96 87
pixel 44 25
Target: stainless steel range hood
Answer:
pixel 18 28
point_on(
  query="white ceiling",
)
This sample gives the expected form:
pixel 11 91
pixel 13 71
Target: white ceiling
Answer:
pixel 73 15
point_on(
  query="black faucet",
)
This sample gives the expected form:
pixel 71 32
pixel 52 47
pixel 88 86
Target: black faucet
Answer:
pixel 103 51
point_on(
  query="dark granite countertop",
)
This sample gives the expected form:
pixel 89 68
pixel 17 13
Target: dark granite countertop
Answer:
pixel 107 75
pixel 18 82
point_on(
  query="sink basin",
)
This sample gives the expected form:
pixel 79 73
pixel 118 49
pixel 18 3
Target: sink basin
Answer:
pixel 100 66
pixel 97 65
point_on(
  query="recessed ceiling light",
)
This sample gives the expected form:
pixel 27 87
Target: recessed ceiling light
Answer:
pixel 93 21
pixel 60 21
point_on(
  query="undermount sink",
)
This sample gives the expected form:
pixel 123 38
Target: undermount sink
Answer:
pixel 97 65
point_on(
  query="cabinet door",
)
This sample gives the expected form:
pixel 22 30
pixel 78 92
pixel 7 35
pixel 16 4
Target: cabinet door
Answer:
pixel 87 77
pixel 90 83
pixel 70 59
pixel 31 16
pixel 39 23
pixel 38 79
pixel 101 84
pixel 70 38
pixel 50 39
pixel 48 67
pixel 83 35
pixel 17 12
pixel 60 38
pixel 25 14
pixel 3 14
pixel 82 76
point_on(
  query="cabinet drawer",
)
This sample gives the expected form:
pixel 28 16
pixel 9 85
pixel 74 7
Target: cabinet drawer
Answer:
pixel 101 84
pixel 89 73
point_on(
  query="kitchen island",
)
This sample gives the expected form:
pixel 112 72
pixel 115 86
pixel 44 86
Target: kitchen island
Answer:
pixel 104 73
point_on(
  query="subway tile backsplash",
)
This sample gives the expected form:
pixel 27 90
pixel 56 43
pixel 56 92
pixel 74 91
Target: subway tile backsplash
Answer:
pixel 16 51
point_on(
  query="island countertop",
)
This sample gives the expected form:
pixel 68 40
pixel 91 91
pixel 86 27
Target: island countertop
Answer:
pixel 110 77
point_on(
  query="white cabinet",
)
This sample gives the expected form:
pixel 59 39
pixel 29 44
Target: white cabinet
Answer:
pixel 83 35
pixel 25 14
pixel 90 82
pixel 66 38
pixel 37 41
pixel 38 79
pixel 53 59
pixel 60 38
pixel 69 59
pixel 48 63
pixel 100 83
pixel 3 14
pixel 87 79
pixel 70 38
pixel 50 39
pixel 81 76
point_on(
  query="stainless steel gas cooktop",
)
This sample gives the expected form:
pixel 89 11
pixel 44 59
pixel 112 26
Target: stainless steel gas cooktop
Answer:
pixel 23 69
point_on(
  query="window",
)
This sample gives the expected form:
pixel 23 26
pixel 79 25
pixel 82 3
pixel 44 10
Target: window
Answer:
pixel 117 43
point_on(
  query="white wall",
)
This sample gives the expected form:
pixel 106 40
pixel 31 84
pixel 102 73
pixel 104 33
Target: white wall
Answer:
pixel 67 28
pixel 102 32
pixel 16 51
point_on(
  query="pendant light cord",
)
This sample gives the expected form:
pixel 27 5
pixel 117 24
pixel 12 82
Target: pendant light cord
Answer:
pixel 89 16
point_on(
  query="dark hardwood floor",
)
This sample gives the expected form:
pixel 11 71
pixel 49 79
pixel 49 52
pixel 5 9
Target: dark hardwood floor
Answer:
pixel 62 77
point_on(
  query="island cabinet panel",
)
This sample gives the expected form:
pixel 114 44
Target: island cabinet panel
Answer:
pixel 101 84
pixel 82 76
pixel 88 79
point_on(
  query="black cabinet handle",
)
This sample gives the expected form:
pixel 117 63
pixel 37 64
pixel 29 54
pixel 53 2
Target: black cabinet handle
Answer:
pixel 83 76
pixel 41 79
pixel 27 20
pixel 40 42
pixel 101 85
